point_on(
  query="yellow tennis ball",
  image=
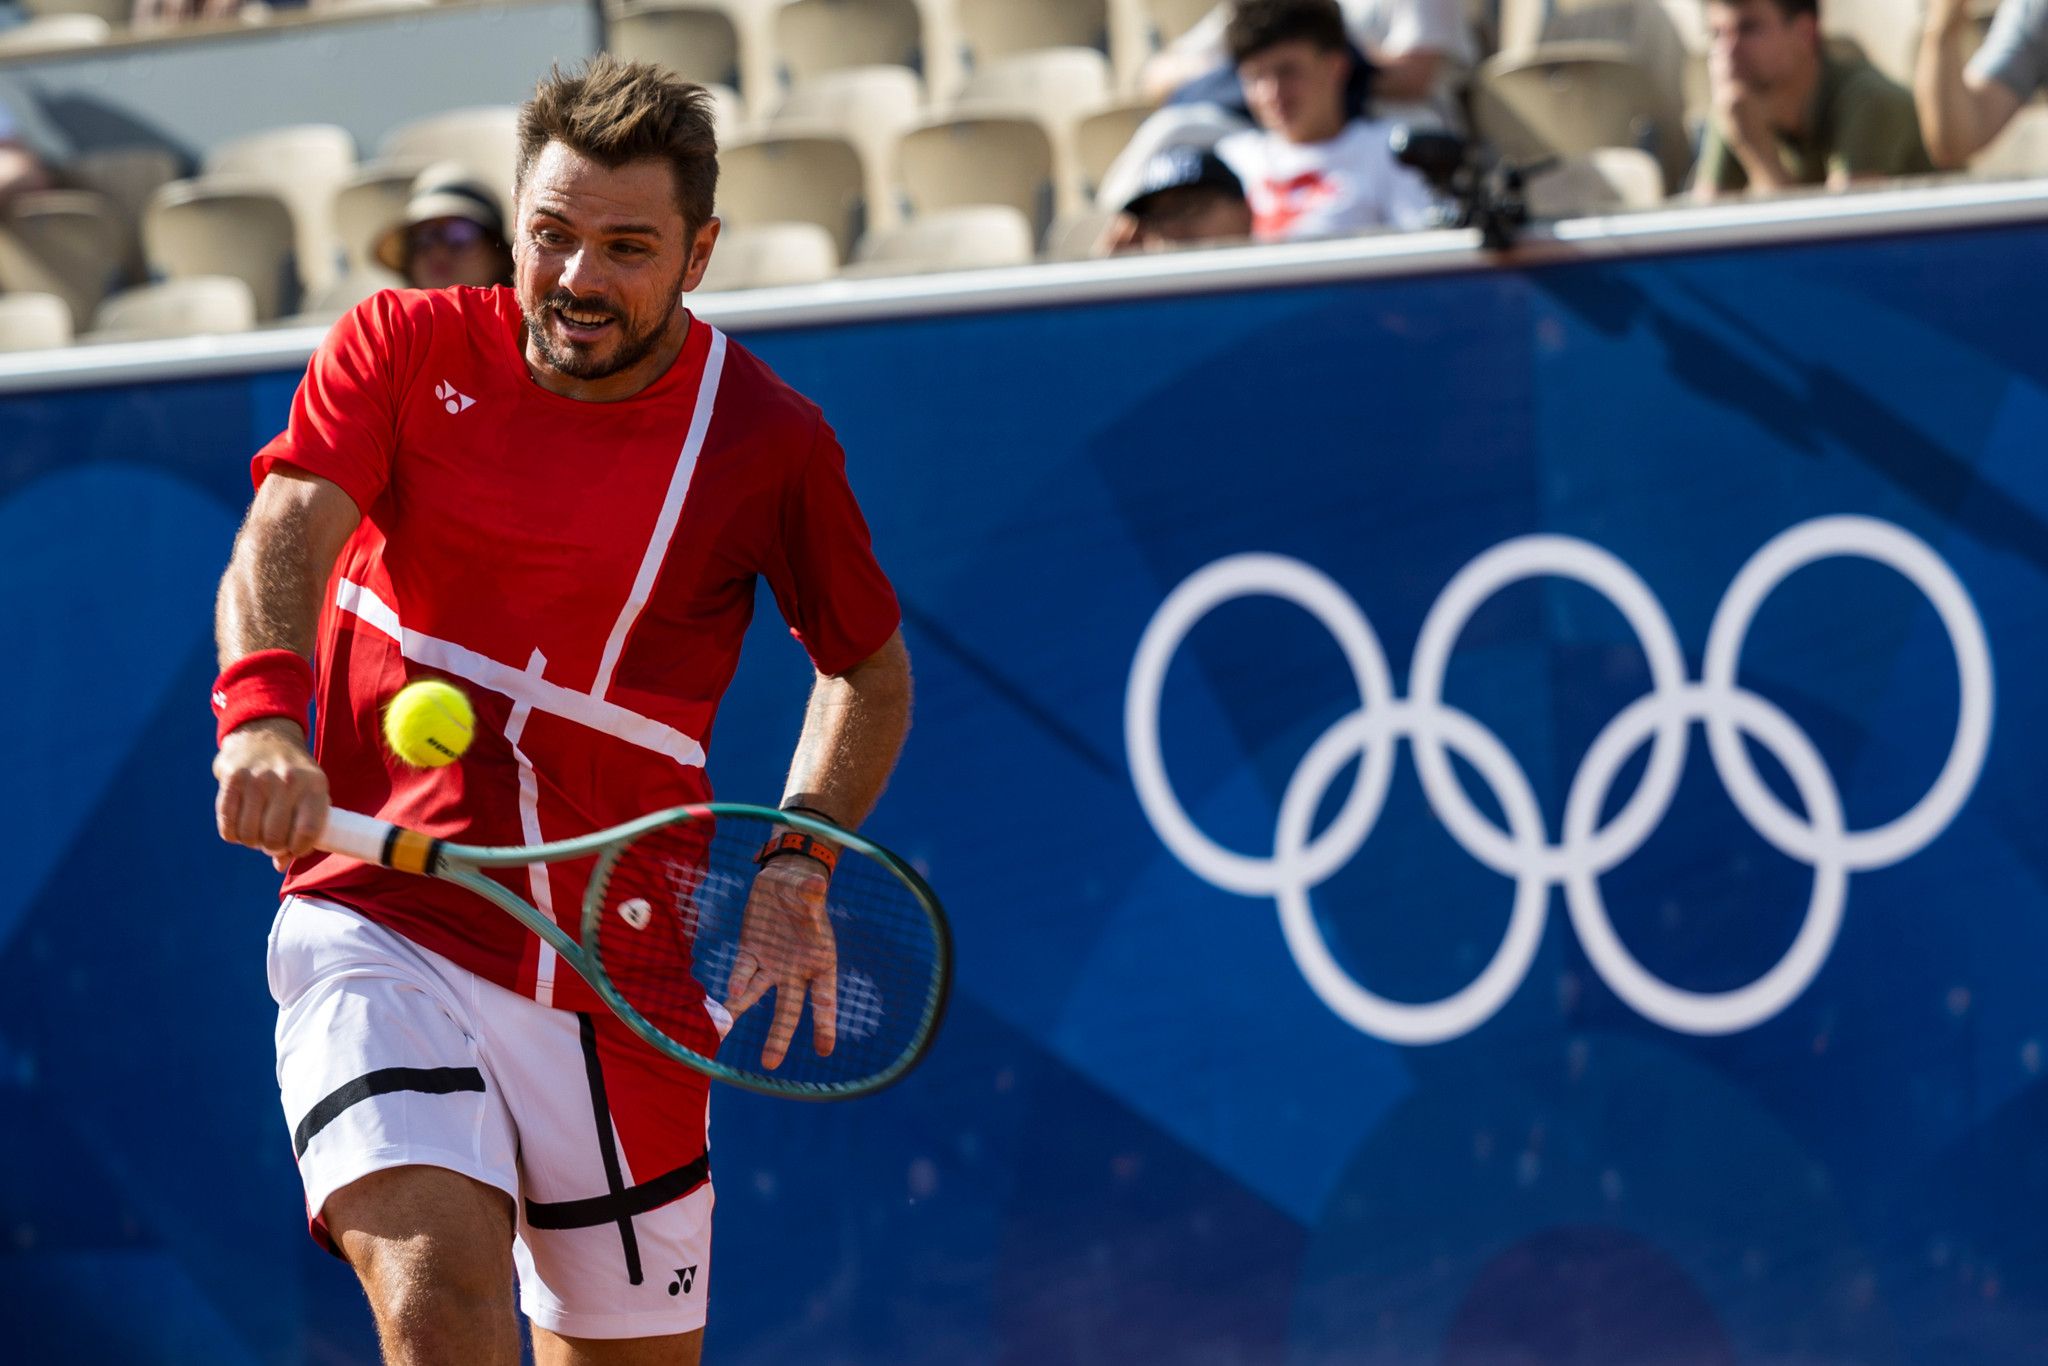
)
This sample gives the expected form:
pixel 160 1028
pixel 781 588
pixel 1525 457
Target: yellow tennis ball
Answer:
pixel 429 723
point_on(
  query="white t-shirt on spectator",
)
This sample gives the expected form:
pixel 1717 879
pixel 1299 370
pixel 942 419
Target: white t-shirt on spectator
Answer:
pixel 1393 28
pixel 1324 189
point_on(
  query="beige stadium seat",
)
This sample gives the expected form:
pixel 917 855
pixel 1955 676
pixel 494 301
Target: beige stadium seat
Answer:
pixel 1100 137
pixel 971 159
pixel 778 178
pixel 1887 31
pixel 1666 43
pixel 1073 236
pixel 34 322
pixel 1172 18
pixel 484 139
pixel 1602 181
pixel 77 234
pixel 368 203
pixel 54 33
pixel 711 42
pixel 202 305
pixel 817 36
pixel 771 255
pixel 2018 153
pixel 1573 97
pixel 1055 86
pixel 222 226
pixel 338 298
pixel 129 177
pixel 728 112
pixel 981 236
pixel 305 164
pixel 991 28
pixel 870 107
pixel 114 12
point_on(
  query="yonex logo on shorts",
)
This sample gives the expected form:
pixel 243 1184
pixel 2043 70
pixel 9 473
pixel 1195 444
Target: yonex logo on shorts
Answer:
pixel 1732 716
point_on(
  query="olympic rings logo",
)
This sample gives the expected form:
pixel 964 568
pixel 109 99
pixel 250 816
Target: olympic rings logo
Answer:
pixel 1586 849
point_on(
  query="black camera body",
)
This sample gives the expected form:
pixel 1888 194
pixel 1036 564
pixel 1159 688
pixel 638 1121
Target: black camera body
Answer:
pixel 1487 193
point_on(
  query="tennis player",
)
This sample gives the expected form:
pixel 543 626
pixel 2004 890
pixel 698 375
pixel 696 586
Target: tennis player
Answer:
pixel 559 496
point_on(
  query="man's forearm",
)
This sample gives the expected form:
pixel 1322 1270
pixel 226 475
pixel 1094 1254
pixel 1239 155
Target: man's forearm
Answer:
pixel 853 732
pixel 1951 112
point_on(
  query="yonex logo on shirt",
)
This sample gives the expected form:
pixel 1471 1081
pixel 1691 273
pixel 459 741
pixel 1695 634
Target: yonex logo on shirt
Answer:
pixel 452 400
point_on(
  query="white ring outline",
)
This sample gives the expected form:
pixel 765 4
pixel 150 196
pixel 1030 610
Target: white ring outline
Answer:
pixel 1695 1012
pixel 1463 1010
pixel 1583 852
pixel 1780 558
pixel 1241 576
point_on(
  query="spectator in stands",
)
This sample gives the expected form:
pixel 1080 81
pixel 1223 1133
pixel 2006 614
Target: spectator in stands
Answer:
pixel 1308 169
pixel 1419 53
pixel 20 168
pixel 452 234
pixel 1183 195
pixel 1961 110
pixel 1786 112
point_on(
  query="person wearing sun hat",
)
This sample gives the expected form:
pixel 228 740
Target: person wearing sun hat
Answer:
pixel 452 233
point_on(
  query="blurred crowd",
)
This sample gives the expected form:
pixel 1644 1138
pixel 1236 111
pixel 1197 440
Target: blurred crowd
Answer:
pixel 1253 120
pixel 1278 114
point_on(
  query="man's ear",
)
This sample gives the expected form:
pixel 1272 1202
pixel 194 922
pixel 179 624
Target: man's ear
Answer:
pixel 700 254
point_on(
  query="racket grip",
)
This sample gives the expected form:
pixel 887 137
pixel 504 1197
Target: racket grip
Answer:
pixel 356 836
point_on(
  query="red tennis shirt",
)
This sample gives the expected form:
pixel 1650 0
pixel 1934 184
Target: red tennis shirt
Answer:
pixel 585 571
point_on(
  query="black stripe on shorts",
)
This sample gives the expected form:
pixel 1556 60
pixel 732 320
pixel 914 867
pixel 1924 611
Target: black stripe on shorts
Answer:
pixel 433 1081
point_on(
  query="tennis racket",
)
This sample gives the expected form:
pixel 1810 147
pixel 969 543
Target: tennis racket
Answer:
pixel 673 926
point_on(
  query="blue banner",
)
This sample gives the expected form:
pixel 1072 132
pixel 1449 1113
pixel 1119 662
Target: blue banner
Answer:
pixel 1488 817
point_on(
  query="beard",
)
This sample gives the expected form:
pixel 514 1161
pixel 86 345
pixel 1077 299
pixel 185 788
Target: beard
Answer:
pixel 584 362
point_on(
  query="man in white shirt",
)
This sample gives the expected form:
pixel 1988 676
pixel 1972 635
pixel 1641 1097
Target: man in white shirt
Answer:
pixel 1420 51
pixel 1308 170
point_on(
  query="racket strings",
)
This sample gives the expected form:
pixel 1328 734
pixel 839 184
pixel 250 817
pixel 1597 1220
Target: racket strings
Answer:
pixel 687 925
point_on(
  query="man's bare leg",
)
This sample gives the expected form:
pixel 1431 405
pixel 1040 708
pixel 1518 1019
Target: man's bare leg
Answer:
pixel 434 1253
pixel 552 1349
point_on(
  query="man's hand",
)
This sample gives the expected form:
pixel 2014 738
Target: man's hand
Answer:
pixel 786 943
pixel 273 796
pixel 1744 120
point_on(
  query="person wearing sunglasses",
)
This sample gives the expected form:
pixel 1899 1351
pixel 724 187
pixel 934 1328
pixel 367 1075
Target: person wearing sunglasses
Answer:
pixel 452 234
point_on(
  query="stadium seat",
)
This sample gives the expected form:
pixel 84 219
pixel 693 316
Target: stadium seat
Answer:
pixel 771 255
pixel 711 42
pixel 2020 152
pixel 114 12
pixel 34 322
pixel 1562 98
pixel 484 139
pixel 728 112
pixel 1172 18
pixel 1597 182
pixel 225 226
pixel 129 177
pixel 201 305
pixel 305 164
pixel 993 28
pixel 1100 136
pixel 817 36
pixel 367 204
pixel 971 159
pixel 978 237
pixel 77 234
pixel 803 178
pixel 54 33
pixel 1656 35
pixel 1887 31
pixel 868 106
pixel 1073 236
pixel 1055 86
pixel 338 298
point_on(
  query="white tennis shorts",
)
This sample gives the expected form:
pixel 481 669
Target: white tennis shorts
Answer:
pixel 391 1056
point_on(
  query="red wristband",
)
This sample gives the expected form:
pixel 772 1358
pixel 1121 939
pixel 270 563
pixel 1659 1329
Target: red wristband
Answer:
pixel 267 683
